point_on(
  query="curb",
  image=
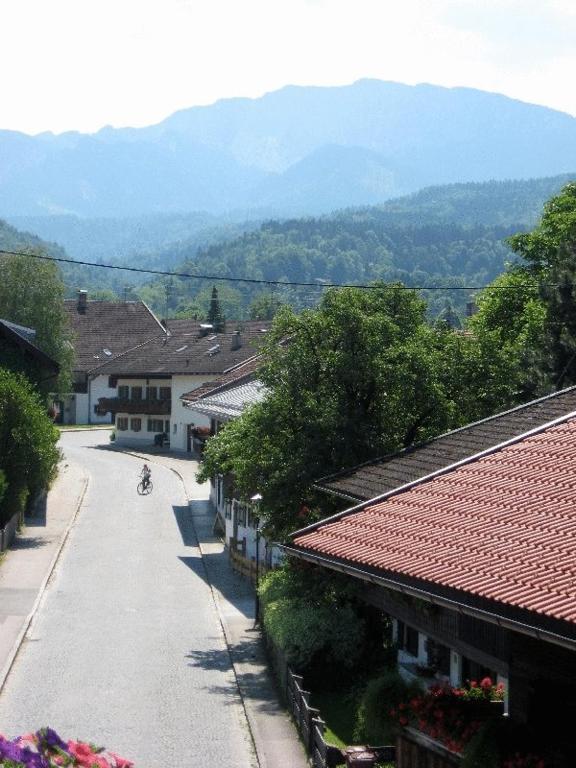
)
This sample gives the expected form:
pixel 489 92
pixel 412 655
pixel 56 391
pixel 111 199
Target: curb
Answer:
pixel 28 621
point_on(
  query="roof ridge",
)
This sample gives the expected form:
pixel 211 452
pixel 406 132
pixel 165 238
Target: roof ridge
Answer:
pixel 430 441
pixel 437 473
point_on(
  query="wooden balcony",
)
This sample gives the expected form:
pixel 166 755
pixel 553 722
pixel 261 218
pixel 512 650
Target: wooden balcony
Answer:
pixel 124 405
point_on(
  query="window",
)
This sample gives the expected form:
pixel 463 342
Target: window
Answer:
pixel 123 392
pixel 175 428
pixel 471 670
pixel 155 425
pixel 167 426
pixel 407 639
pixel 228 509
pixel 165 393
pixel 135 425
pixel 136 393
pixel 438 657
pixel 122 423
pixel 152 393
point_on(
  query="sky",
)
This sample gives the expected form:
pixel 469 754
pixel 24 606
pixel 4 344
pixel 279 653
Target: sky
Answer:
pixel 83 64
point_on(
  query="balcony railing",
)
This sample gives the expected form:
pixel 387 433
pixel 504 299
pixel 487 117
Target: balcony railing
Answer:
pixel 127 405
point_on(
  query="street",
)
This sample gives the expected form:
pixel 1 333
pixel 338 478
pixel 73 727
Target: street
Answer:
pixel 127 649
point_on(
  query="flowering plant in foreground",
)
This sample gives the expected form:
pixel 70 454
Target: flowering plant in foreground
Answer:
pixel 45 749
pixel 451 715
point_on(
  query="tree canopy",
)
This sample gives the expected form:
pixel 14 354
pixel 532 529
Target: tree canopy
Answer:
pixel 32 294
pixel 361 376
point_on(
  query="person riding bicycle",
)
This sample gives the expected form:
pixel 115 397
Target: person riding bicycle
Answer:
pixel 146 472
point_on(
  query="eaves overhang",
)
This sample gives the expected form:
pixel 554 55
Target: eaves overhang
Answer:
pixel 519 620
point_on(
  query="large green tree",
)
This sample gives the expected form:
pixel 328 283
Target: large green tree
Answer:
pixel 32 294
pixel 549 258
pixel 361 376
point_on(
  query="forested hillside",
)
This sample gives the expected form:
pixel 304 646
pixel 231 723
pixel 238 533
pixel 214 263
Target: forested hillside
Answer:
pixel 443 237
pixel 449 238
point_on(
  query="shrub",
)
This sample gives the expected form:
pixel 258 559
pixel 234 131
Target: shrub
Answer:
pixel 383 696
pixel 28 452
pixel 311 619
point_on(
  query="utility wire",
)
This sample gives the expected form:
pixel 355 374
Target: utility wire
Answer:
pixel 287 283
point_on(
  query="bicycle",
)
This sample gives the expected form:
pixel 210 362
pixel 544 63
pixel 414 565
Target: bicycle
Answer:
pixel 144 488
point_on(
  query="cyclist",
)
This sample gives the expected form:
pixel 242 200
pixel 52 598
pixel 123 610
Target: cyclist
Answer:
pixel 145 474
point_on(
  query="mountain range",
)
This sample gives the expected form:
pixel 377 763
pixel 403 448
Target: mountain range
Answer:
pixel 298 150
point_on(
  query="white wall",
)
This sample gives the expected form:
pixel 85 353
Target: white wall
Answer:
pixel 179 418
pixel 182 416
pixel 97 388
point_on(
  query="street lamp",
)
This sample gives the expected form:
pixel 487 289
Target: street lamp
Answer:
pixel 256 499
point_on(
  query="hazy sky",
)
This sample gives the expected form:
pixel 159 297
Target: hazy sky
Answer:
pixel 82 64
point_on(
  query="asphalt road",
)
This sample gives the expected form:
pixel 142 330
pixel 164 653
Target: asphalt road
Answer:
pixel 127 650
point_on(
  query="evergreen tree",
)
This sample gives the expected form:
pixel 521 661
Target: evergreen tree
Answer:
pixel 215 313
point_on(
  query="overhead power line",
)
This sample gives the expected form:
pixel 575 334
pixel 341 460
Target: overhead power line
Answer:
pixel 252 280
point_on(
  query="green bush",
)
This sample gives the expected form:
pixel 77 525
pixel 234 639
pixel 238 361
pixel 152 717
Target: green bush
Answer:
pixel 311 619
pixel 374 723
pixel 28 452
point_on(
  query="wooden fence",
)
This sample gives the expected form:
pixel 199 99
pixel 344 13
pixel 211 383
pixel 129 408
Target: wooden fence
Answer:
pixel 245 566
pixel 312 728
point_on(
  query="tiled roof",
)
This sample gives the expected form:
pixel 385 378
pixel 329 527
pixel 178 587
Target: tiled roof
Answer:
pixel 500 528
pixel 105 329
pixel 377 477
pixel 230 403
pixel 240 374
pixel 187 351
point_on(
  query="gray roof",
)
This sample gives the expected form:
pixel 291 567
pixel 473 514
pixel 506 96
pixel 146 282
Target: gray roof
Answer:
pixel 187 349
pixel 23 338
pixel 372 479
pixel 26 333
pixel 230 403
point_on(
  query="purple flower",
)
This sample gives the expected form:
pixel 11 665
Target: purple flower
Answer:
pixel 48 738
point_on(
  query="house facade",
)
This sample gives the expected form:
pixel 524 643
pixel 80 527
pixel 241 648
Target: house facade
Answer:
pixel 151 381
pixel 239 518
pixel 102 330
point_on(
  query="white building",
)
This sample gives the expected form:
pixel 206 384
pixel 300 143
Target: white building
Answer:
pixel 102 330
pixel 152 379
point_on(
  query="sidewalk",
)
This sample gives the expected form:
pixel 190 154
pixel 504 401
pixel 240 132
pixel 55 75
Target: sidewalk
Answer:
pixel 27 566
pixel 275 737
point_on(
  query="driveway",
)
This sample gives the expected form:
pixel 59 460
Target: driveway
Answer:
pixel 113 653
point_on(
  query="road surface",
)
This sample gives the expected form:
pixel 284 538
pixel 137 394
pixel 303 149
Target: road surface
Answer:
pixel 127 649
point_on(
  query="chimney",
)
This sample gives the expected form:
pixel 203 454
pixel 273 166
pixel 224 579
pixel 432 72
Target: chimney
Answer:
pixel 82 299
pixel 236 341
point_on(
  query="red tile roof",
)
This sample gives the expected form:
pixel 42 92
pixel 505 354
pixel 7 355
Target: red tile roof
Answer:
pixel 500 527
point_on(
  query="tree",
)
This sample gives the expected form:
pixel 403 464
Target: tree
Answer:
pixel 264 307
pixel 549 254
pixel 361 376
pixel 28 452
pixel 32 294
pixel 215 314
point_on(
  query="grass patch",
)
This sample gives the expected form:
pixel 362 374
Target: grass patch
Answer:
pixel 338 710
